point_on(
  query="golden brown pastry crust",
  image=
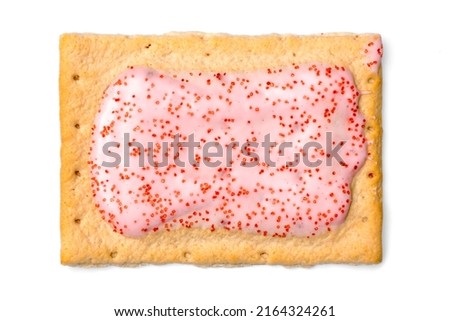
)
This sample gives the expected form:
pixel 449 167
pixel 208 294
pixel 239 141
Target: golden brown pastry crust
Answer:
pixel 88 63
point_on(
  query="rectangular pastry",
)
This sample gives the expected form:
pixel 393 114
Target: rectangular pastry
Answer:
pixel 217 149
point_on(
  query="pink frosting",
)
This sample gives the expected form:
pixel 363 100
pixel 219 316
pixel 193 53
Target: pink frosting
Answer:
pixel 373 52
pixel 297 103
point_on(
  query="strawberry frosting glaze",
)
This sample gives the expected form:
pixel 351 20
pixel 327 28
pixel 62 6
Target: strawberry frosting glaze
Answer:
pixel 373 52
pixel 297 103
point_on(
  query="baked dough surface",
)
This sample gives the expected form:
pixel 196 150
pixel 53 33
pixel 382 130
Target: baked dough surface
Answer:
pixel 88 63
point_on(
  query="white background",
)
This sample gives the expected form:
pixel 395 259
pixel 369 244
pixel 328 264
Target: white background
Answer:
pixel 412 281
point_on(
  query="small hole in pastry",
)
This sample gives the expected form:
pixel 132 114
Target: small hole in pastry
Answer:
pixel 76 77
pixel 263 255
pixel 187 255
pixel 77 221
pixel 113 254
pixel 77 126
pixel 370 175
pixel 77 173
pixel 371 80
